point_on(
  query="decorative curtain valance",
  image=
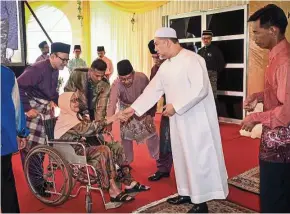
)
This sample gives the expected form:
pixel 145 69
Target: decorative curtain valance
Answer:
pixel 135 6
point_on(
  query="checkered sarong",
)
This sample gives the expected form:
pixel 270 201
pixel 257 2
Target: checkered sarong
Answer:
pixel 36 125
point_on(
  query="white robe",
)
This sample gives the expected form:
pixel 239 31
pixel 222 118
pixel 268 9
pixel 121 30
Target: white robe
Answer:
pixel 195 136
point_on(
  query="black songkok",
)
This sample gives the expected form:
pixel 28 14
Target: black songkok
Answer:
pixel 60 47
pixel 77 47
pixel 151 47
pixel 100 48
pixel 41 45
pixel 207 33
pixel 124 67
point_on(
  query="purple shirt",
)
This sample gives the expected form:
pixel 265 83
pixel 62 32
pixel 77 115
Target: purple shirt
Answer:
pixel 38 80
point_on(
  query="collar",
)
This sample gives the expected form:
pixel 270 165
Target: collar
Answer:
pixel 278 48
pixel 49 65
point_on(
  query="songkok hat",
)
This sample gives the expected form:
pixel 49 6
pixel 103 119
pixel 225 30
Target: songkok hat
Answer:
pixel 166 32
pixel 60 47
pixel 151 47
pixel 207 33
pixel 41 45
pixel 77 47
pixel 100 48
pixel 124 67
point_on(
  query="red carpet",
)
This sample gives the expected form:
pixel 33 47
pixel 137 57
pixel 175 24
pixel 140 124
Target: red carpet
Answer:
pixel 240 153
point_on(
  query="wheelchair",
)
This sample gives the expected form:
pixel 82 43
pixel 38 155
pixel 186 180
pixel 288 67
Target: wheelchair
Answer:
pixel 53 170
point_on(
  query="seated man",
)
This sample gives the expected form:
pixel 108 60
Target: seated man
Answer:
pixel 101 157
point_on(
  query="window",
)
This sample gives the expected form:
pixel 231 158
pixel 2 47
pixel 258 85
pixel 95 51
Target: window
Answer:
pixel 234 23
pixel 57 27
pixel 229 35
pixel 189 27
pixel 233 50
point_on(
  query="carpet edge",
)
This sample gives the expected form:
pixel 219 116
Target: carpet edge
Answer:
pixel 140 209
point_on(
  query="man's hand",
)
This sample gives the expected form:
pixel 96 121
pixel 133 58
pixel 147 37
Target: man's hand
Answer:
pixel 248 124
pixel 250 103
pixel 32 113
pixel 9 53
pixel 52 106
pixel 127 113
pixel 169 110
pixel 22 142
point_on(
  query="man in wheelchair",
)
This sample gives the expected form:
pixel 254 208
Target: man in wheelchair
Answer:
pixel 103 158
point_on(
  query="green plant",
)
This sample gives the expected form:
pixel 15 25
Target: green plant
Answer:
pixel 80 16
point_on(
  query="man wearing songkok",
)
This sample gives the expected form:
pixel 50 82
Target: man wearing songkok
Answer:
pixel 92 88
pixel 214 59
pixel 38 86
pixel 77 62
pixel 197 152
pixel 101 54
pixel 165 161
pixel 124 91
pixel 44 48
pixel 269 26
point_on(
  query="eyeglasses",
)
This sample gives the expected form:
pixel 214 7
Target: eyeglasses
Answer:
pixel 206 38
pixel 74 100
pixel 62 59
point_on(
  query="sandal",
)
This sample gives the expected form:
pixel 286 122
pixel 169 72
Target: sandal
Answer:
pixel 122 197
pixel 138 188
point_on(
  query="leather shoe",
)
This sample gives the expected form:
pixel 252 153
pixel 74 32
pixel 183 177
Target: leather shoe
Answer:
pixel 179 200
pixel 158 175
pixel 199 208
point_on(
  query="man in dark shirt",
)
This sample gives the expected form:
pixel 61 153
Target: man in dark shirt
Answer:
pixel 213 57
pixel 164 163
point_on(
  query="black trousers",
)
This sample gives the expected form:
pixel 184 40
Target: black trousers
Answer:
pixel 9 199
pixel 274 187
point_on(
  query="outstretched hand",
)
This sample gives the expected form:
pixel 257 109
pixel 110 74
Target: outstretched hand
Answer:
pixel 126 114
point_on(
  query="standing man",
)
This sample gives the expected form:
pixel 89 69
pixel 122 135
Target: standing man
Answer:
pixel 38 91
pixel 195 136
pixel 44 48
pixel 269 26
pixel 164 164
pixel 214 59
pixel 101 54
pixel 92 87
pixel 77 62
pixel 124 91
pixel 13 126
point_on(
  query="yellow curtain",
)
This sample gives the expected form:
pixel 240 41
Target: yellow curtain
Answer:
pixel 86 31
pixel 135 6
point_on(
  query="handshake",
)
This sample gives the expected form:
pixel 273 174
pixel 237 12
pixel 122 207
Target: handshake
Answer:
pixel 123 116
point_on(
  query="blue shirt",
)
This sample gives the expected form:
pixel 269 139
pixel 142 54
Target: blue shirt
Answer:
pixel 13 121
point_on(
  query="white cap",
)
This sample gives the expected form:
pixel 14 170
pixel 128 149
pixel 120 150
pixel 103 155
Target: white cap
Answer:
pixel 166 32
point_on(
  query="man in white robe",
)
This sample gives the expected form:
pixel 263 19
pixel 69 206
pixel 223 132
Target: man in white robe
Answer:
pixel 198 158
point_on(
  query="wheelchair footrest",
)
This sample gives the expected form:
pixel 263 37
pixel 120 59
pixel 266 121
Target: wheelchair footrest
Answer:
pixel 112 205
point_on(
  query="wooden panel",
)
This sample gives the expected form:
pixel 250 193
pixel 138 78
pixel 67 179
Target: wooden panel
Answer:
pixel 258 58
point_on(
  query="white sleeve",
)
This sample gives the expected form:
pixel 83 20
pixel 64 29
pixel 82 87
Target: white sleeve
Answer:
pixel 151 94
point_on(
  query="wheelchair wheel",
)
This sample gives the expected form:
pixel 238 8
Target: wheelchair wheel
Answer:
pixel 89 202
pixel 53 186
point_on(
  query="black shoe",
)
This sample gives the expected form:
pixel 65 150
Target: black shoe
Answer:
pixel 158 175
pixel 179 200
pixel 199 208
